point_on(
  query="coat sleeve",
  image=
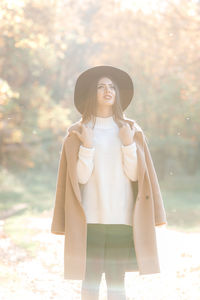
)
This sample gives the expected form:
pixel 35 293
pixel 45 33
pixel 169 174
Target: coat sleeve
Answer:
pixel 159 210
pixel 58 221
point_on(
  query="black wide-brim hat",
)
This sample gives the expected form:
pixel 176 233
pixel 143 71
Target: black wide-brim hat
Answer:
pixel 122 79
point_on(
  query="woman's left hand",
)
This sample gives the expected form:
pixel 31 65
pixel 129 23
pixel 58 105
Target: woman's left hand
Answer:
pixel 126 134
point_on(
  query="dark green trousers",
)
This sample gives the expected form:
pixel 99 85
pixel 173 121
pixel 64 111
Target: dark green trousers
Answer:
pixel 110 249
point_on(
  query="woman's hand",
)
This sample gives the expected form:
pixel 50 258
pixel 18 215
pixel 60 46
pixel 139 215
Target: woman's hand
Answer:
pixel 86 135
pixel 126 134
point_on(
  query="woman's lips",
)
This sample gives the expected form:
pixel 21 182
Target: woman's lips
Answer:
pixel 108 97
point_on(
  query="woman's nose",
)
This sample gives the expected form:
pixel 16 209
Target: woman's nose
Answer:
pixel 107 88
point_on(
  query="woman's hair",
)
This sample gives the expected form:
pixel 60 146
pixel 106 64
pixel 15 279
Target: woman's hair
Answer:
pixel 90 107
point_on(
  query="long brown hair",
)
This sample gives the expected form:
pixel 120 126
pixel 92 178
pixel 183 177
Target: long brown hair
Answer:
pixel 90 107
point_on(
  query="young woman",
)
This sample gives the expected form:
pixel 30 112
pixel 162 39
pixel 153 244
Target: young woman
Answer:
pixel 108 162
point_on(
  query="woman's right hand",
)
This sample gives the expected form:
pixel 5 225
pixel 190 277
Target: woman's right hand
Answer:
pixel 86 135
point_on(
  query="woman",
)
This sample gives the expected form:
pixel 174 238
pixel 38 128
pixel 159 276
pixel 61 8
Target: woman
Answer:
pixel 106 169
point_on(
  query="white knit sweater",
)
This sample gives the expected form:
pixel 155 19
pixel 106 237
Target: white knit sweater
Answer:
pixel 105 173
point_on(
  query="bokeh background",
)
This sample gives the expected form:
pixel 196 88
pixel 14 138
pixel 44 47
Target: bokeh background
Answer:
pixel 44 46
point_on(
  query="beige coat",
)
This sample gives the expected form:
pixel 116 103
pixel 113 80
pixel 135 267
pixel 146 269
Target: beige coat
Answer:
pixel 69 218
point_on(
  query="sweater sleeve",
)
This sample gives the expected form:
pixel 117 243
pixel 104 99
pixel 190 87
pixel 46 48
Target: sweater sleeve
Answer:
pixel 85 164
pixel 129 154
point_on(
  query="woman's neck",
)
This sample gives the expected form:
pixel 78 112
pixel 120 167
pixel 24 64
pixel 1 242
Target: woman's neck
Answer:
pixel 104 113
pixel 104 122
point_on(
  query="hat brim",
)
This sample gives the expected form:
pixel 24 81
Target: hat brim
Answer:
pixel 122 79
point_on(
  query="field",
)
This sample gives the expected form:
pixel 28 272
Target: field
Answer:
pixel 31 258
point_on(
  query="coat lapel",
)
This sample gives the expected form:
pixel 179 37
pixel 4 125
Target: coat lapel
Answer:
pixel 139 139
pixel 141 158
pixel 72 148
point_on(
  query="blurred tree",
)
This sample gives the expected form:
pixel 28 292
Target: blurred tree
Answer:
pixel 44 45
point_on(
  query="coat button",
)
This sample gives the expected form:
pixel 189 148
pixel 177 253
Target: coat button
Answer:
pixel 147 196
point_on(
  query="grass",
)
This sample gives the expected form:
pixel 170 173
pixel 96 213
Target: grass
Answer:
pixel 37 190
pixel 34 188
pixel 181 200
pixel 19 230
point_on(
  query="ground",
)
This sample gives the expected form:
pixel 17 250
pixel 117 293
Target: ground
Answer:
pixel 40 276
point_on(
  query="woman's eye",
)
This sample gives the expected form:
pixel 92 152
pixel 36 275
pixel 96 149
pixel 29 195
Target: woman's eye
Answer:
pixel 102 86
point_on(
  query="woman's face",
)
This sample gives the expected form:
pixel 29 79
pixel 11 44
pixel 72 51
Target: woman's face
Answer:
pixel 105 92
